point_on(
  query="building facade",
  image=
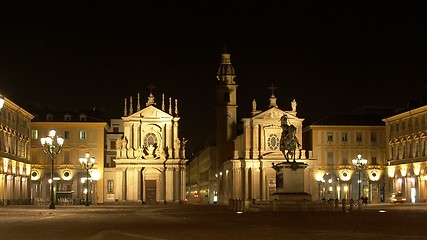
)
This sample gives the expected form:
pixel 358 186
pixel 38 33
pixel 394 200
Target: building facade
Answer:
pixel 83 133
pixel 15 125
pixel 337 140
pixel 406 138
pixel 149 162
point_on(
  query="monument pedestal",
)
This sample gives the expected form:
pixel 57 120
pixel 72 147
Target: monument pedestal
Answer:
pixel 290 182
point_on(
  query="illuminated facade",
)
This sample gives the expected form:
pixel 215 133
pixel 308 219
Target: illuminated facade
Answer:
pixel 15 125
pixel 337 140
pixel 239 165
pixel 406 137
pixel 82 133
pixel 149 161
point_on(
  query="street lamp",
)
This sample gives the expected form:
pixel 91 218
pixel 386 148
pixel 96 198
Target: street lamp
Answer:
pixel 359 164
pixel 88 164
pixel 50 148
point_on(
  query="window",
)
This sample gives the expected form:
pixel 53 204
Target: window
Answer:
pixel 344 137
pixel 374 160
pixel 359 137
pixel 115 129
pixel 82 118
pixel 110 186
pixel 330 137
pixel 67 117
pixel 150 139
pixel 82 135
pixel 330 158
pixel 66 135
pixel 273 142
pixel 34 134
pixel 113 144
pixel 373 137
pixel 49 117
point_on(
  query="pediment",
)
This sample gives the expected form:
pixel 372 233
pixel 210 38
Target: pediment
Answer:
pixel 149 112
pixel 273 114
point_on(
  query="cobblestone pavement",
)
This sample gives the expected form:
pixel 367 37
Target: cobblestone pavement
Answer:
pixel 170 221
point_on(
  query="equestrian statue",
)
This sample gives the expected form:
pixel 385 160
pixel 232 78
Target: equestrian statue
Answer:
pixel 288 141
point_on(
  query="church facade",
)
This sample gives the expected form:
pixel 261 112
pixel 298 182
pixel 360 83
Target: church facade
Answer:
pixel 150 163
pixel 240 165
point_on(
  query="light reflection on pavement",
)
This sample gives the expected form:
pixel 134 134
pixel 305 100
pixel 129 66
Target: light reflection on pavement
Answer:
pixel 161 222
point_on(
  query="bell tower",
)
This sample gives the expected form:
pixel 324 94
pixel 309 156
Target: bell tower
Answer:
pixel 226 109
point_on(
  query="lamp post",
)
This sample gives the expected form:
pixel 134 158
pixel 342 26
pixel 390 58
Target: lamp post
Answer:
pixel 87 162
pixel 359 164
pixel 52 149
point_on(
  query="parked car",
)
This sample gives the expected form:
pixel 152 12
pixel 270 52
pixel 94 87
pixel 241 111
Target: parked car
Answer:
pixel 397 198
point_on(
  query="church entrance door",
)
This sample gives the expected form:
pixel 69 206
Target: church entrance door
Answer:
pixel 150 191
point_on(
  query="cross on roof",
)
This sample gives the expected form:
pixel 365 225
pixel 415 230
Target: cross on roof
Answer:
pixel 272 87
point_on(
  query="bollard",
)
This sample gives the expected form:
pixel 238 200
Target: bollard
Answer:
pixel 242 205
pixel 351 205
pixel 344 205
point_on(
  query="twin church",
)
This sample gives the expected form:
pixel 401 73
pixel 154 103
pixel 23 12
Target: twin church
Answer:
pixel 150 161
pixel 141 157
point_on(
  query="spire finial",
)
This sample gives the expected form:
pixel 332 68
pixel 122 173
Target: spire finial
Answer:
pixel 138 106
pixel 125 111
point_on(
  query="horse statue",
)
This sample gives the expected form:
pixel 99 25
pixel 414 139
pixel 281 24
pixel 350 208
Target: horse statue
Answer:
pixel 288 141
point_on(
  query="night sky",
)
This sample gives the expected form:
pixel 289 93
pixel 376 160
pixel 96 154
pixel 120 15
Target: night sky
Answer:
pixel 331 58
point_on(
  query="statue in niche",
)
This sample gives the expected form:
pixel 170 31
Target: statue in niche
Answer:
pixel 288 141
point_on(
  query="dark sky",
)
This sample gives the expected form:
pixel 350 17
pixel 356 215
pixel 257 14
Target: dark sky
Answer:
pixel 330 57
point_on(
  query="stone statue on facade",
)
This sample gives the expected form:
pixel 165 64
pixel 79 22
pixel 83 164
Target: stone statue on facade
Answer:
pixel 288 141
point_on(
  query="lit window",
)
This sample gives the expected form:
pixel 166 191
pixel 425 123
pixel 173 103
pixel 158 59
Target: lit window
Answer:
pixel 82 135
pixel 110 186
pixel 34 134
